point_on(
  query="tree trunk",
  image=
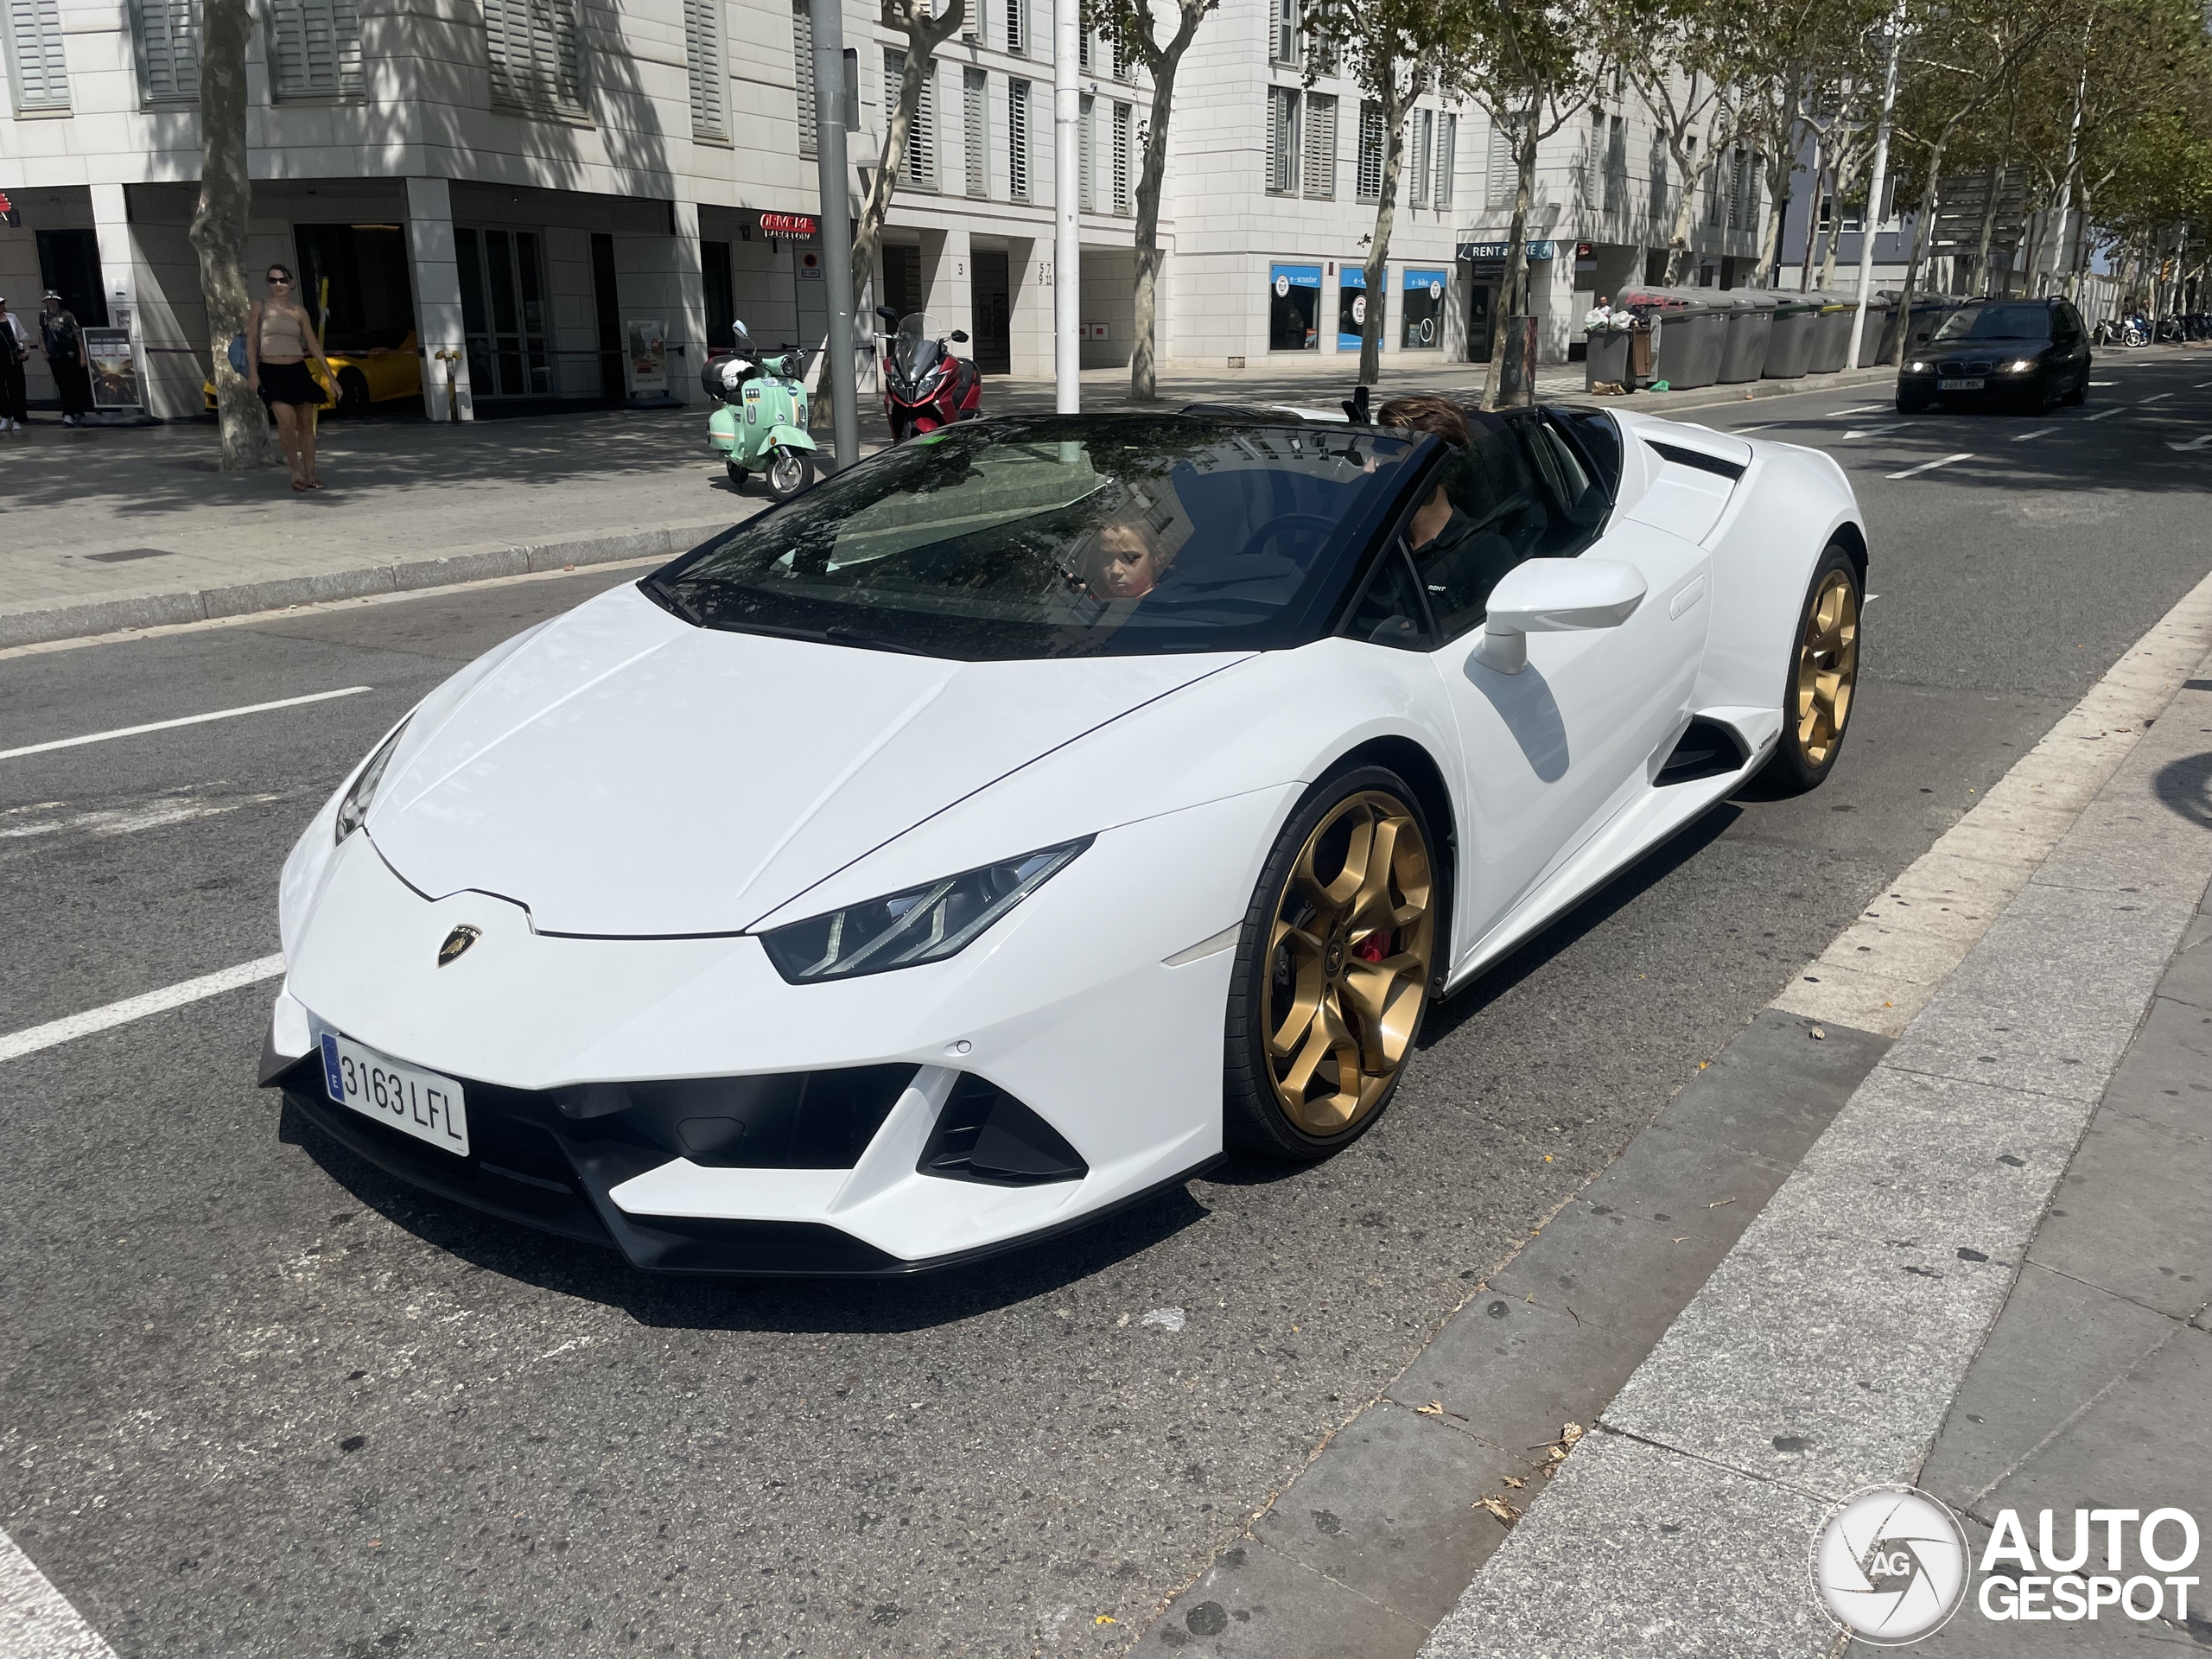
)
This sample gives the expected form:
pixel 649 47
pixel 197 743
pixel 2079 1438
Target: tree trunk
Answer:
pixel 219 225
pixel 1378 252
pixel 924 37
pixel 1988 227
pixel 1779 171
pixel 1812 218
pixel 1513 298
pixel 1163 64
pixel 1846 178
pixel 1678 236
pixel 1898 335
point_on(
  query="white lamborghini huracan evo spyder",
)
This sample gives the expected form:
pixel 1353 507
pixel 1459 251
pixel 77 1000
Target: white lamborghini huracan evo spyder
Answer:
pixel 1000 830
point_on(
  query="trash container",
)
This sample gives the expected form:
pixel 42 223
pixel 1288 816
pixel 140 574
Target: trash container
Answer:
pixel 1928 311
pixel 1790 346
pixel 1751 330
pixel 1692 333
pixel 1605 361
pixel 1878 307
pixel 1831 331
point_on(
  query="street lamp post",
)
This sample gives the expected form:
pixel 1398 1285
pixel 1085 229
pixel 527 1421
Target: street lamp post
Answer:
pixel 835 225
pixel 1067 209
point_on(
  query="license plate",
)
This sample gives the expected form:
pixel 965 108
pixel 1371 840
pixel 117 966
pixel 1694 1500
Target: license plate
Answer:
pixel 405 1097
pixel 1958 385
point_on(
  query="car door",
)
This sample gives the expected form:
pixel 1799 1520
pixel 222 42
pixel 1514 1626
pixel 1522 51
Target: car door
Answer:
pixel 1550 753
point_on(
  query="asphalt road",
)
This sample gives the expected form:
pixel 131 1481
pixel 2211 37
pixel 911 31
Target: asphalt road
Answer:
pixel 261 1400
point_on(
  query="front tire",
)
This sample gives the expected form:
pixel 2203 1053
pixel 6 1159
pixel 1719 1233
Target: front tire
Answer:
pixel 1334 971
pixel 1824 675
pixel 788 472
pixel 1909 404
pixel 352 392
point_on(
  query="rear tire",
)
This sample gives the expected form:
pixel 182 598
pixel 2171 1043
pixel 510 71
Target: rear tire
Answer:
pixel 1335 970
pixel 1824 675
pixel 737 474
pixel 352 392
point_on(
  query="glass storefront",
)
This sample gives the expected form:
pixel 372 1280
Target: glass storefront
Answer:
pixel 1423 310
pixel 1294 308
pixel 504 312
pixel 1351 306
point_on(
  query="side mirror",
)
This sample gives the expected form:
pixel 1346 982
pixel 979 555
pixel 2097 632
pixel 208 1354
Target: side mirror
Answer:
pixel 888 314
pixel 1554 596
pixel 960 336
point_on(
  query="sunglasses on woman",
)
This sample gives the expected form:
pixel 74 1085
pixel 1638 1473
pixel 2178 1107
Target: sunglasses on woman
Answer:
pixel 280 281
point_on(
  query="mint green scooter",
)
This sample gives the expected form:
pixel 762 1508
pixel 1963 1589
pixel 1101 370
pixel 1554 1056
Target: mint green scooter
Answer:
pixel 759 419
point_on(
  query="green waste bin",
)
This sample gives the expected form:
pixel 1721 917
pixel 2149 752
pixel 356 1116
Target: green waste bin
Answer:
pixel 1790 345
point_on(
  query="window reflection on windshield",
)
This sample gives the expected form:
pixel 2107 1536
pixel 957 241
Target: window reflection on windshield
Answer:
pixel 1997 322
pixel 1067 535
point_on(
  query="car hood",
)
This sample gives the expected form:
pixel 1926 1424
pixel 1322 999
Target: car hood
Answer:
pixel 622 774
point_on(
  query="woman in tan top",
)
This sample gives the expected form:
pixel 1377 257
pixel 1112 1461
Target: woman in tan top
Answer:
pixel 279 338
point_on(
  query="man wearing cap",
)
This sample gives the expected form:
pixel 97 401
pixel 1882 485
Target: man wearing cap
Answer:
pixel 15 347
pixel 64 343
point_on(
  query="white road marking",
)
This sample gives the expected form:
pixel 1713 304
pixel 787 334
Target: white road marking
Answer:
pixel 2193 443
pixel 1761 427
pixel 183 719
pixel 2156 396
pixel 2039 432
pixel 1930 465
pixel 1876 431
pixel 2102 413
pixel 37 1621
pixel 156 814
pixel 32 1038
pixel 2104 383
pixel 1863 409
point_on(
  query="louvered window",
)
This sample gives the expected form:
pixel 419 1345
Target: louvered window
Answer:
pixel 1282 141
pixel 1504 169
pixel 1017 37
pixel 536 56
pixel 315 49
pixel 1082 49
pixel 1121 158
pixel 975 131
pixel 1615 165
pixel 1370 180
pixel 803 77
pixel 169 49
pixel 1017 140
pixel 1087 157
pixel 707 62
pixel 38 76
pixel 1447 158
pixel 920 170
pixel 1590 184
pixel 1320 146
pixel 971 31
pixel 1424 133
pixel 1286 32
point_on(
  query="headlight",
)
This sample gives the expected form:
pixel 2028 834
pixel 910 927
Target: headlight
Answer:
pixel 1917 368
pixel 925 924
pixel 2020 365
pixel 355 807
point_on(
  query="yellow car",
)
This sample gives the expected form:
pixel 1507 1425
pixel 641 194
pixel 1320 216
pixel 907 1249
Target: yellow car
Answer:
pixel 365 378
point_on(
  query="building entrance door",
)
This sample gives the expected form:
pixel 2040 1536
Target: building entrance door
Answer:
pixel 994 292
pixel 502 312
pixel 1482 312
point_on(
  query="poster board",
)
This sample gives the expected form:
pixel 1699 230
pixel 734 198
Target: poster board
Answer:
pixel 648 355
pixel 114 369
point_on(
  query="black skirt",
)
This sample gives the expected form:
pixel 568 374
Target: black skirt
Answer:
pixel 289 383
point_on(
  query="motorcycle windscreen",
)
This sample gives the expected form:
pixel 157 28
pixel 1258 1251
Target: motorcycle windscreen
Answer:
pixel 919 347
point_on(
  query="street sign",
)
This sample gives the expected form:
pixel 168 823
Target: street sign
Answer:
pixel 1498 252
pixel 800 226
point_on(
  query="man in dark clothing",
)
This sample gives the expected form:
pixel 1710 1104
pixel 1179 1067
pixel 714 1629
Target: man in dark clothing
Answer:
pixel 65 355
pixel 1461 557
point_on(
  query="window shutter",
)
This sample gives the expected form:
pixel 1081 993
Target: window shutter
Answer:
pixel 1417 193
pixel 1503 170
pixel 708 63
pixel 1017 140
pixel 169 40
pixel 1371 151
pixel 920 169
pixel 1017 37
pixel 536 56
pixel 1121 158
pixel 1320 146
pixel 1616 164
pixel 975 130
pixel 1447 157
pixel 1087 160
pixel 316 47
pixel 803 78
pixel 40 74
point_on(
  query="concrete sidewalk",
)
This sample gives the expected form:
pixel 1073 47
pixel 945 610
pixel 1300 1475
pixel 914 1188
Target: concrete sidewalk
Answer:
pixel 105 530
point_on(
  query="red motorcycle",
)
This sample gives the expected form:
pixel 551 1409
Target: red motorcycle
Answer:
pixel 924 385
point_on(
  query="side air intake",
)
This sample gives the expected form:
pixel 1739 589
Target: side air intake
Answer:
pixel 1707 749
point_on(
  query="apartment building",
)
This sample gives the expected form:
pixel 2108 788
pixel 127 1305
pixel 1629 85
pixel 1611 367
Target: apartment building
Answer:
pixel 527 195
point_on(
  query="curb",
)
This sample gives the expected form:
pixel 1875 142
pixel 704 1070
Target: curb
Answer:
pixel 1660 404
pixel 37 627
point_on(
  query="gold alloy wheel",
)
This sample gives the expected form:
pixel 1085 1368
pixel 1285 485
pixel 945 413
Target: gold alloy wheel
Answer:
pixel 1827 665
pixel 1348 959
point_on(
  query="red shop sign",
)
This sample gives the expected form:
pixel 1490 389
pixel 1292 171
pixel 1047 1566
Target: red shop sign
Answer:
pixel 799 225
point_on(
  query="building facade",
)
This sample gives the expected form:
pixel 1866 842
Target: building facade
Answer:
pixel 557 201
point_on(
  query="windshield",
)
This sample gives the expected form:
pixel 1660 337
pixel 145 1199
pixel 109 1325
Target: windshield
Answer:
pixel 918 349
pixel 1067 535
pixel 1997 322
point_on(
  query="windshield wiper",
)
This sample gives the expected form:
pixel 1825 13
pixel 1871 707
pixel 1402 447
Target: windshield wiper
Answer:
pixel 667 599
pixel 869 642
